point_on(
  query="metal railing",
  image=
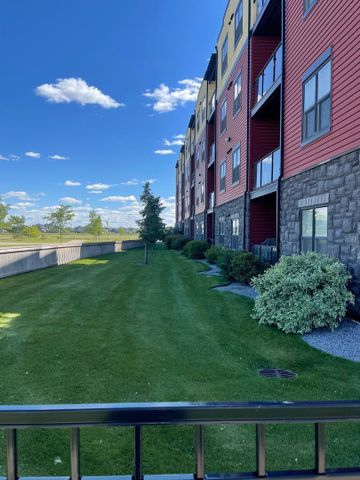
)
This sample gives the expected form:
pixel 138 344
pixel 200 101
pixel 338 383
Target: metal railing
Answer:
pixel 267 170
pixel 212 105
pixel 269 74
pixel 141 415
pixel 266 253
pixel 211 200
pixel 260 6
pixel 211 154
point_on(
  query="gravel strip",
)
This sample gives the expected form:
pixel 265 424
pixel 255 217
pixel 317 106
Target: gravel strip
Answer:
pixel 214 270
pixel 239 289
pixel 343 342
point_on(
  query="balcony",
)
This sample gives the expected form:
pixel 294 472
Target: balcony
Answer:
pixel 268 18
pixel 266 253
pixel 212 105
pixel 211 155
pixel 269 80
pixel 211 200
pixel 267 170
pixel 198 416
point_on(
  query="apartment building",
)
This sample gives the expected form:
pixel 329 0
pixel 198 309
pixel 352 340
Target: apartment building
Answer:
pixel 286 169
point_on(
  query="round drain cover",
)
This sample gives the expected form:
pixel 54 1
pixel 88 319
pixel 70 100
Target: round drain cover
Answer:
pixel 276 373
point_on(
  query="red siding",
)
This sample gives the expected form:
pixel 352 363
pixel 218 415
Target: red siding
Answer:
pixel 236 130
pixel 328 24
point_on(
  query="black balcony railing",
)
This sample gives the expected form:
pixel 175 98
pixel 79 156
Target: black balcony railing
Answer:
pixel 212 105
pixel 266 253
pixel 270 73
pixel 267 170
pixel 211 155
pixel 200 415
pixel 261 5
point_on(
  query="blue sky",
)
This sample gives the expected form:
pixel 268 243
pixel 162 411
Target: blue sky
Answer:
pixel 72 87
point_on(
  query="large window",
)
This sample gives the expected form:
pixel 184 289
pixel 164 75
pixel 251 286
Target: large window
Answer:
pixel 223 125
pixel 314 230
pixel 238 22
pixel 224 56
pixel 203 151
pixel 202 193
pixel 235 232
pixel 203 110
pixel 197 158
pixel 237 95
pixel 236 165
pixel 222 176
pixel 317 102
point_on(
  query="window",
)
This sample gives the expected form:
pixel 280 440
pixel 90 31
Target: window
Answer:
pixel 308 4
pixel 198 120
pixel 235 232
pixel 237 95
pixel 317 102
pixel 197 158
pixel 223 124
pixel 202 193
pixel 202 229
pixel 221 231
pixel 203 110
pixel 222 176
pixel 224 56
pixel 314 230
pixel 236 165
pixel 203 151
pixel 238 22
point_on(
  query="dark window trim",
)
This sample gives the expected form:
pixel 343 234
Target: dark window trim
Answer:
pixel 324 57
pixel 307 9
pixel 224 177
pixel 237 40
pixel 311 72
pixel 235 113
pixel 221 120
pixel 236 147
pixel 313 208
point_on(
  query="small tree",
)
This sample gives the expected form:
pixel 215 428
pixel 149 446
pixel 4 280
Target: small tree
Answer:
pixel 95 226
pixel 151 226
pixel 32 232
pixel 4 210
pixel 59 218
pixel 16 225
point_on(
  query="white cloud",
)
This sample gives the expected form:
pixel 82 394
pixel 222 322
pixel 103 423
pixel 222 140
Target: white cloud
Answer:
pixel 98 186
pixel 5 159
pixel 71 183
pixel 70 200
pixel 58 157
pixel 22 205
pixel 33 154
pixel 14 157
pixel 96 192
pixel 178 140
pixel 133 182
pixel 67 90
pixel 17 195
pixel 164 152
pixel 168 99
pixel 120 198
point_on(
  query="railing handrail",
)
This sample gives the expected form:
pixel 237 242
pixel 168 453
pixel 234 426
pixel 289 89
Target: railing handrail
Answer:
pixel 132 414
pixel 270 154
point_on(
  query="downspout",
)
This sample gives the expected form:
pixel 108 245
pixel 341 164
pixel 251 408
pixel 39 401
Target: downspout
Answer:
pixel 281 129
pixel 247 130
pixel 215 143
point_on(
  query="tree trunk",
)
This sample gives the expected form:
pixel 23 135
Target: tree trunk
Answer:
pixel 146 259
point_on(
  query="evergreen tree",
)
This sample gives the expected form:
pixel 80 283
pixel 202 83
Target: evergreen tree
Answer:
pixel 151 225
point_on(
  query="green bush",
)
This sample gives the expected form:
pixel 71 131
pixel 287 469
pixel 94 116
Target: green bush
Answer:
pixel 303 292
pixel 168 241
pixel 196 249
pixel 213 254
pixel 179 242
pixel 245 266
pixel 224 262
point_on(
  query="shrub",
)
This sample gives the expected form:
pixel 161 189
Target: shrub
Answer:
pixel 224 262
pixel 168 241
pixel 245 266
pixel 196 249
pixel 303 292
pixel 213 254
pixel 179 242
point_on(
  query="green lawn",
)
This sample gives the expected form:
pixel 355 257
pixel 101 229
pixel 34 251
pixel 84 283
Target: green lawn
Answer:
pixel 113 330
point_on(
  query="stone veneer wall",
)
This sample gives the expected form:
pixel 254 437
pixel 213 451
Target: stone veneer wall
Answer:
pixel 229 211
pixel 335 184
